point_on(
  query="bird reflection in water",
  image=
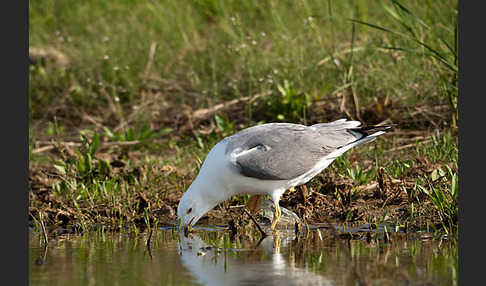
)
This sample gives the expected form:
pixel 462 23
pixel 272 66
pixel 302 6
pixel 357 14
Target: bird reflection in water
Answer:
pixel 263 264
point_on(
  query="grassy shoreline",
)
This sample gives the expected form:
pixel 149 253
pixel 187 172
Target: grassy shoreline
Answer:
pixel 126 98
pixel 370 185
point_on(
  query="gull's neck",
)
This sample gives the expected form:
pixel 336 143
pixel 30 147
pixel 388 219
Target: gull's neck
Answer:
pixel 206 191
pixel 211 186
pixel 211 182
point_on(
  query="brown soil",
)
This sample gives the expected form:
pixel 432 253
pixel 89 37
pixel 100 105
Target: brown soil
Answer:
pixel 385 200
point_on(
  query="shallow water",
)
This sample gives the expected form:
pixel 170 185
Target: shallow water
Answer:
pixel 210 257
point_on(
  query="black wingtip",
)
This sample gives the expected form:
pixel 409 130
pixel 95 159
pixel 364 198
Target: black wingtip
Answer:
pixel 369 130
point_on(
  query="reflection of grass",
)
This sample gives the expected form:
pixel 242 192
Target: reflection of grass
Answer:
pixel 406 262
pixel 127 256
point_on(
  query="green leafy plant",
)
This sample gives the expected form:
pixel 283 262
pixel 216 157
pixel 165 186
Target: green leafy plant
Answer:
pixel 86 166
pixel 135 133
pixel 224 125
pixel 359 176
pixel 290 105
pixel 444 197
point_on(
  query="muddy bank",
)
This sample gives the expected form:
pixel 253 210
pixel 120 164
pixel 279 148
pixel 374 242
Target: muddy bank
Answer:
pixel 148 195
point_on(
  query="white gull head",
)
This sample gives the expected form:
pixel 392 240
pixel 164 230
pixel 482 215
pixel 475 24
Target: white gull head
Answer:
pixel 207 190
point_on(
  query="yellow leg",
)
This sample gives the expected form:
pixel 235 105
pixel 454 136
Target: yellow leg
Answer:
pixel 276 216
pixel 253 203
pixel 276 242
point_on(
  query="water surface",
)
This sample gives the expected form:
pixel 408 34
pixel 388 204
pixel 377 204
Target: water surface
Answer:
pixel 213 258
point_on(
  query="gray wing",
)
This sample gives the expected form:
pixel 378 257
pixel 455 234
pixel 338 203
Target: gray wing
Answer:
pixel 283 151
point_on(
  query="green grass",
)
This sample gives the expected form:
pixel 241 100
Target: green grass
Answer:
pixel 208 51
pixel 307 61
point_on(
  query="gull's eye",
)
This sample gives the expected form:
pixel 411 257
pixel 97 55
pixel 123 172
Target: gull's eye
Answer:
pixel 260 147
pixel 189 211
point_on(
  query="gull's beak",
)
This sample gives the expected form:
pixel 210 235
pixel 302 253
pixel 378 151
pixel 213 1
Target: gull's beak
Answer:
pixel 180 223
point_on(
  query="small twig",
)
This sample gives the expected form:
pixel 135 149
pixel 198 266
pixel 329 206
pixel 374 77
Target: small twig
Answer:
pixel 367 187
pixel 44 232
pixel 407 146
pixel 111 103
pixel 42 259
pixel 43 149
pixel 259 242
pixel 205 113
pixel 237 207
pixel 319 194
pixel 148 67
pixel 43 228
pixel 92 120
pixel 255 222
pixel 78 144
pixel 148 243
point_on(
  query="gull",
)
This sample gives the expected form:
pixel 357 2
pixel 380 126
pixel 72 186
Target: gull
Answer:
pixel 268 159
